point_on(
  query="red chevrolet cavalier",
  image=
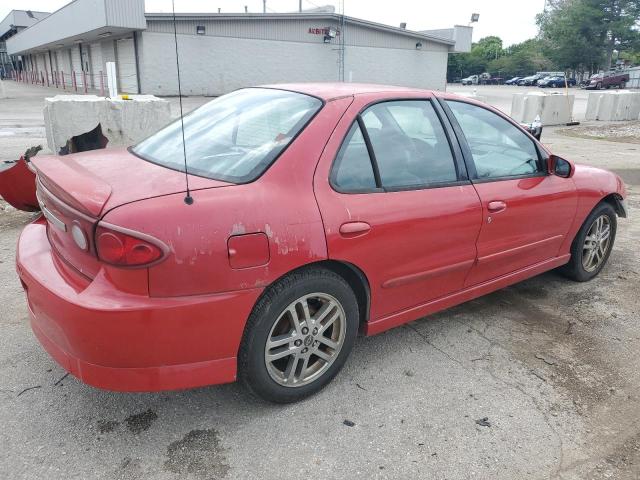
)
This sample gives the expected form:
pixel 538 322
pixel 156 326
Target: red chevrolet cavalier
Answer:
pixel 315 211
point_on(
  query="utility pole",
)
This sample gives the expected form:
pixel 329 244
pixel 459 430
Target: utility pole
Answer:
pixel 264 6
pixel 300 6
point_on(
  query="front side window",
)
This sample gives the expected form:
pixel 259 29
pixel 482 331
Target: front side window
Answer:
pixel 498 147
pixel 233 138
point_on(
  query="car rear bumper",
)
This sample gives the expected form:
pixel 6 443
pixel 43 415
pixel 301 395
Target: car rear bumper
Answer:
pixel 126 342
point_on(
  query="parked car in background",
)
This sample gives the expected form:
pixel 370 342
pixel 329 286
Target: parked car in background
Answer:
pixel 530 80
pixel 470 80
pixel 491 80
pixel 513 81
pixel 556 82
pixel 316 211
pixel 608 80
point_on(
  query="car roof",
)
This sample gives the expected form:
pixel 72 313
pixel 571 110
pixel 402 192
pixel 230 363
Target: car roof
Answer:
pixel 332 90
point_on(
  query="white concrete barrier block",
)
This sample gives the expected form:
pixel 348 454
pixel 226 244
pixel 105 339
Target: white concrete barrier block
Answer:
pixel 517 106
pixel 593 105
pixel 612 106
pixel 634 110
pixel 557 109
pixel 123 122
pixel 553 109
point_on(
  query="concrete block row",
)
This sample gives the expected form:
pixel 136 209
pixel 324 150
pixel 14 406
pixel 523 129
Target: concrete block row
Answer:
pixel 615 105
pixel 552 109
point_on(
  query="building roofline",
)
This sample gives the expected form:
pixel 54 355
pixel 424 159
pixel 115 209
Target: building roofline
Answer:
pixel 48 15
pixel 13 11
pixel 297 16
pixel 12 26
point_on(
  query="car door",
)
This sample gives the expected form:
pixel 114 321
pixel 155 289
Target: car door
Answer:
pixel 527 211
pixel 396 201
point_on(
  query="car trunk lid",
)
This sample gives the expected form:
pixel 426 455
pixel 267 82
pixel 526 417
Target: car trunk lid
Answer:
pixel 75 191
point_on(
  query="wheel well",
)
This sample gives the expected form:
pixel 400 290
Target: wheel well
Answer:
pixel 614 200
pixel 351 274
pixel 356 279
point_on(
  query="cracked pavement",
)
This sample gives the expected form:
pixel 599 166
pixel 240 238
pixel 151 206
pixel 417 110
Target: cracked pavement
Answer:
pixel 539 381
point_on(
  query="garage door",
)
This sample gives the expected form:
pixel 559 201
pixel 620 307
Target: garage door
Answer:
pixel 126 66
pixel 95 52
pixel 50 65
pixel 76 65
pixel 65 65
pixel 40 67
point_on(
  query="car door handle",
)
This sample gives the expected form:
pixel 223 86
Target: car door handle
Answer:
pixel 353 229
pixel 496 206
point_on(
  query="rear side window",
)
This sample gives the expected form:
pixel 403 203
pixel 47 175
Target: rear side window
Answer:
pixel 353 171
pixel 410 149
pixel 410 145
pixel 233 138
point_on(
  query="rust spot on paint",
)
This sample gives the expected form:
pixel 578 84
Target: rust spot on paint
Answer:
pixel 238 229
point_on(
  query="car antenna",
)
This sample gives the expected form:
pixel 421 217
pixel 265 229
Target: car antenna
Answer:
pixel 188 199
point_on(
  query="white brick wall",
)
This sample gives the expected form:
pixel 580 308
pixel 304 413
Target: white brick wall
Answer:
pixel 216 65
pixel 410 68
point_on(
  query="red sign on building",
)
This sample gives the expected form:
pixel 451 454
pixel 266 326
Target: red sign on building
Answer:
pixel 321 31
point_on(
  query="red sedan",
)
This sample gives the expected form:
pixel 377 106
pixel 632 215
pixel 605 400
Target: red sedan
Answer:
pixel 315 211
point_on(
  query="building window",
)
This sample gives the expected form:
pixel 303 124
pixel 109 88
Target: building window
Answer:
pixel 200 30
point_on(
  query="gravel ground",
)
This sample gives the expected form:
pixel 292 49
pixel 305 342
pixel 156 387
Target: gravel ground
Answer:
pixel 537 381
pixel 628 132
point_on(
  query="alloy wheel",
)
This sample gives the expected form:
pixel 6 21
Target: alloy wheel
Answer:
pixel 596 243
pixel 305 340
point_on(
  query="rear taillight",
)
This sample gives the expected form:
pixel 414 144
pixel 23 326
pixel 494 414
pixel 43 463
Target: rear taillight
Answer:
pixel 126 249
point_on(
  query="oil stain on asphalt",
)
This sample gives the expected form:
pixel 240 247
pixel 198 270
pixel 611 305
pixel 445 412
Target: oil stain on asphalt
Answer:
pixel 140 422
pixel 107 426
pixel 200 454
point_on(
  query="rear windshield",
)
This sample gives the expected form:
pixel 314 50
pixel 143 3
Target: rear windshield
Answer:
pixel 233 138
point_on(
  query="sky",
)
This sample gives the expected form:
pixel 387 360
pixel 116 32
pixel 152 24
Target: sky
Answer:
pixel 511 20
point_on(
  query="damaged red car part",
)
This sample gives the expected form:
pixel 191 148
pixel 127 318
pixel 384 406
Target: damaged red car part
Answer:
pixel 18 183
pixel 320 210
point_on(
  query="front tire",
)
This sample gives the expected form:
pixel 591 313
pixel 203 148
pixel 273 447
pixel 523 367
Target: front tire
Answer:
pixel 592 246
pixel 298 336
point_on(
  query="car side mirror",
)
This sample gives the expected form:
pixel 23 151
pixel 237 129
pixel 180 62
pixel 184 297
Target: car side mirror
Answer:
pixel 560 167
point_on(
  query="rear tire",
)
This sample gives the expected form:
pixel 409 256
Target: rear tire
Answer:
pixel 298 336
pixel 592 245
pixel 622 85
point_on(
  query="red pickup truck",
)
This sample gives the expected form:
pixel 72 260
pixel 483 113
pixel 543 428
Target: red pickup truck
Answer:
pixel 608 80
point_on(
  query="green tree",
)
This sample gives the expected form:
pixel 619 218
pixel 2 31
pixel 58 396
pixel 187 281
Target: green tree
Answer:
pixel 477 60
pixel 633 56
pixel 487 55
pixel 522 59
pixel 620 20
pixel 582 34
pixel 488 48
